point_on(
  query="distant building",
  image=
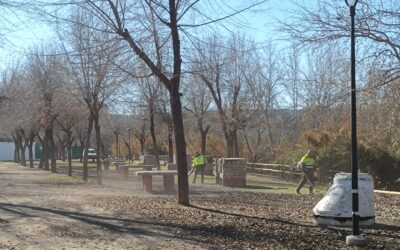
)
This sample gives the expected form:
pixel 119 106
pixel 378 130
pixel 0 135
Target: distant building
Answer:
pixel 7 148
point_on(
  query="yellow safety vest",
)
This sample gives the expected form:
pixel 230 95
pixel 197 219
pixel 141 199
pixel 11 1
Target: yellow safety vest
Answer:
pixel 307 161
pixel 197 161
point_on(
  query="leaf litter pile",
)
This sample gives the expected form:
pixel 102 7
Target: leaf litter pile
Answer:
pixel 249 220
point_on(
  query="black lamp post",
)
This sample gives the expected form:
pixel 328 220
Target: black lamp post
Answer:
pixel 129 145
pixel 356 238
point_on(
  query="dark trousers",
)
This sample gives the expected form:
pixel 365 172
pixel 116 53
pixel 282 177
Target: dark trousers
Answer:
pixel 199 169
pixel 308 172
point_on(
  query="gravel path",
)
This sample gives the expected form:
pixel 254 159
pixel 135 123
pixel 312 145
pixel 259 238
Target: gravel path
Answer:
pixel 40 210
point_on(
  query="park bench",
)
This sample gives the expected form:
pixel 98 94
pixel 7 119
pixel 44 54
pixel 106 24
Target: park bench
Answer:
pixel 168 179
pixel 124 169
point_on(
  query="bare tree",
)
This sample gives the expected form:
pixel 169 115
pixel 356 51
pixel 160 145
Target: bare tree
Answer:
pixel 129 21
pixel 90 60
pixel 264 131
pixel 198 103
pixel 376 24
pixel 225 70
pixel 44 71
pixel 114 15
pixel 150 92
pixel 71 114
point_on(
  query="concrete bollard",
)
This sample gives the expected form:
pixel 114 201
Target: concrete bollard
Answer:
pixel 335 208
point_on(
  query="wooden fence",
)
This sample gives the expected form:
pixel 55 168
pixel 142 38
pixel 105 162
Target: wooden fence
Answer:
pixel 286 172
pixel 280 171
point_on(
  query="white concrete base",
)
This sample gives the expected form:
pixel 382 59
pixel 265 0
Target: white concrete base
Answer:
pixel 335 208
pixel 356 240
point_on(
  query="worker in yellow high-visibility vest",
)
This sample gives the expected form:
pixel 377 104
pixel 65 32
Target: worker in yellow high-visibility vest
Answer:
pixel 307 166
pixel 198 165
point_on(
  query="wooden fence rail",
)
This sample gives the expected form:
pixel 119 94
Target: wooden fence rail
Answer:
pixel 281 171
pixel 286 172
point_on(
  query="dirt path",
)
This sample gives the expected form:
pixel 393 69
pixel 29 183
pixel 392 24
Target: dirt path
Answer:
pixel 40 210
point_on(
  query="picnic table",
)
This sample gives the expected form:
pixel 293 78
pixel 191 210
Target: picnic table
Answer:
pixel 168 179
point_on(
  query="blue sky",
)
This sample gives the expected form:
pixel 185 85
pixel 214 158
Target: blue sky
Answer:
pixel 27 32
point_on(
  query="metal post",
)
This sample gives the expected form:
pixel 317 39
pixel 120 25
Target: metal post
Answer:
pixel 354 171
pixel 356 239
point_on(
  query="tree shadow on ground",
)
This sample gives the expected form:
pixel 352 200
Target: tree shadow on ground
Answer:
pixel 278 220
pixel 379 226
pixel 113 224
pixel 139 227
pixel 263 187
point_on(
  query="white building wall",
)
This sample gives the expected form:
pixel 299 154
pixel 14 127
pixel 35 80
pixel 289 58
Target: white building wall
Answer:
pixel 7 151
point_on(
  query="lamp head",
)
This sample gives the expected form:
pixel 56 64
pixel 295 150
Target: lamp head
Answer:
pixel 351 3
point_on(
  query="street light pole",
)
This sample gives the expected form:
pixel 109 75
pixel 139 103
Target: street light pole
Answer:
pixel 355 239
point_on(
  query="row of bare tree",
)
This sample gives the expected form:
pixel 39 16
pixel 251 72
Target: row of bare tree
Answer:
pixel 131 57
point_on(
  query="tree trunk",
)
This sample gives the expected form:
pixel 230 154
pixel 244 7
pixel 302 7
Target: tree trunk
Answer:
pixel 16 154
pixel 203 135
pixel 82 145
pixel 29 143
pixel 232 147
pixel 30 150
pixel 203 142
pixel 87 145
pixel 236 145
pixel 69 152
pixel 153 135
pixel 45 153
pixel 62 152
pixel 41 157
pixel 98 151
pixel 180 144
pixel 142 147
pixel 170 144
pixel 20 148
pixel 229 145
pixel 23 160
pixel 52 151
pixel 116 143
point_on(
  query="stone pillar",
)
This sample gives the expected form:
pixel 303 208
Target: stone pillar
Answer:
pixel 232 172
pixel 147 183
pixel 169 182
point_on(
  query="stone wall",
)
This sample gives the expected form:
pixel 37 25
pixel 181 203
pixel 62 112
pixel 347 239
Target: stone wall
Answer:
pixel 231 172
